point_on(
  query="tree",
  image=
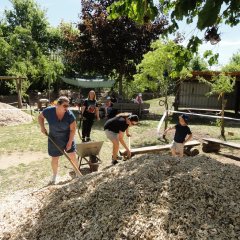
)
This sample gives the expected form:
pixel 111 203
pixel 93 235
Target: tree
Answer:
pixel 221 85
pixel 160 67
pixel 27 38
pixel 234 64
pixel 111 48
pixel 198 64
pixel 69 37
pixel 209 14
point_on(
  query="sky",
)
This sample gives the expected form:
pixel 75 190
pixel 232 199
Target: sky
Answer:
pixel 68 11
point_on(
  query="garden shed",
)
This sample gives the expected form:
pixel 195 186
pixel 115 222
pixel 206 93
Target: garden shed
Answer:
pixel 193 93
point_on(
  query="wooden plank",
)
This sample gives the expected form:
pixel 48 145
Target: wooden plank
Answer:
pixel 202 109
pixel 225 143
pixel 158 148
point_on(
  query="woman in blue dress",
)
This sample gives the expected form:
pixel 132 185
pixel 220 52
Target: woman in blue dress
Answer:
pixel 62 128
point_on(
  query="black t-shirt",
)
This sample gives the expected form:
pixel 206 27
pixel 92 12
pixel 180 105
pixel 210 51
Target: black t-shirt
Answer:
pixel 90 108
pixel 116 124
pixel 181 133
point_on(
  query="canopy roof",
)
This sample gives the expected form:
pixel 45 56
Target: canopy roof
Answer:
pixel 89 83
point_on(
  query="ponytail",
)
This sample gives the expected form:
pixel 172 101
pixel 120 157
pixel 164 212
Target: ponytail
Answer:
pixel 133 118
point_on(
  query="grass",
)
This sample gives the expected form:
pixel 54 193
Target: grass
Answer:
pixel 28 137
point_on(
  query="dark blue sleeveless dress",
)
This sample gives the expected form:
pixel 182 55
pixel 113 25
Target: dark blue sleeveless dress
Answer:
pixel 59 131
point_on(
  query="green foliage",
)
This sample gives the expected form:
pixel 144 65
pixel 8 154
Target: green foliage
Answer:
pixel 209 14
pixel 109 48
pixel 26 45
pixel 198 64
pixel 141 11
pixel 160 66
pixel 220 84
pixel 234 64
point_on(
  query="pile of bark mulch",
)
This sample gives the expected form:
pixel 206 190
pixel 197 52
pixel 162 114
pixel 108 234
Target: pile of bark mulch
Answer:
pixel 152 197
pixel 10 116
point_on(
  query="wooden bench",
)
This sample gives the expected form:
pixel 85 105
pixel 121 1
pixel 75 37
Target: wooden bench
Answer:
pixel 213 144
pixel 158 148
pixel 134 108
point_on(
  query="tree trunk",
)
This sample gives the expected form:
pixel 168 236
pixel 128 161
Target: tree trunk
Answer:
pixel 19 90
pixel 224 101
pixel 166 109
pixel 120 84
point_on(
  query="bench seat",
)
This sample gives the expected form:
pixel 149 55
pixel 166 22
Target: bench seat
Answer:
pixel 132 107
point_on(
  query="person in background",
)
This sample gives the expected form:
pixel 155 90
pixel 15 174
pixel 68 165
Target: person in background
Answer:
pixel 89 112
pixel 139 99
pixel 113 98
pixel 108 108
pixel 114 129
pixel 62 128
pixel 182 135
pixel 79 101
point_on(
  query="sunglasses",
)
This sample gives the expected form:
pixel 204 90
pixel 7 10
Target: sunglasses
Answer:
pixel 65 105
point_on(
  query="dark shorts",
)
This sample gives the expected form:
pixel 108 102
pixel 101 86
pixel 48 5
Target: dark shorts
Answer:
pixel 54 152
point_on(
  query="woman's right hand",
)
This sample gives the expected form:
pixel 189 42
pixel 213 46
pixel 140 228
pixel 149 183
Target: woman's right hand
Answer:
pixel 129 154
pixel 44 130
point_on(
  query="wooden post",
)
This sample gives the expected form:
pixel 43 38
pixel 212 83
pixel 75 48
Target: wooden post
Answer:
pixel 224 102
pixel 166 109
pixel 19 90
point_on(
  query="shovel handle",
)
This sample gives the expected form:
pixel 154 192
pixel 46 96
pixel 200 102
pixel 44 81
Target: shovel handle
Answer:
pixel 129 143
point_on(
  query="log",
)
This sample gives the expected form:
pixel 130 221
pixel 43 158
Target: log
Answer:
pixel 210 147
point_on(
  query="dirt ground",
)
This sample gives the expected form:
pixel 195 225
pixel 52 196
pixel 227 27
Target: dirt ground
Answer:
pixel 16 158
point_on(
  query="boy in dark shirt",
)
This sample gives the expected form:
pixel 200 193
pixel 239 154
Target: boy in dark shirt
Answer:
pixel 182 131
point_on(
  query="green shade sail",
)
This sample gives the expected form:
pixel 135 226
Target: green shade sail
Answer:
pixel 89 83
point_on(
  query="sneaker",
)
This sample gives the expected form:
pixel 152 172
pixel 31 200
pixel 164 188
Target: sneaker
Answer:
pixel 83 140
pixel 114 162
pixel 52 181
pixel 72 174
pixel 88 139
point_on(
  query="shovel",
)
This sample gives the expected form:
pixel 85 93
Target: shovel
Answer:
pixel 79 125
pixel 163 139
pixel 66 155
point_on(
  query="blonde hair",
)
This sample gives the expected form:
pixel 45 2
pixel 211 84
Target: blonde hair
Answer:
pixel 94 95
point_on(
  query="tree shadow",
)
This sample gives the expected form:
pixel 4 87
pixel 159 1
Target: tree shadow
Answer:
pixel 144 198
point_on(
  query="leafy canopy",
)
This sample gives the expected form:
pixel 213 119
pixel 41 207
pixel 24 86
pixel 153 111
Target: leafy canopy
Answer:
pixel 234 64
pixel 166 61
pixel 26 44
pixel 208 13
pixel 110 47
